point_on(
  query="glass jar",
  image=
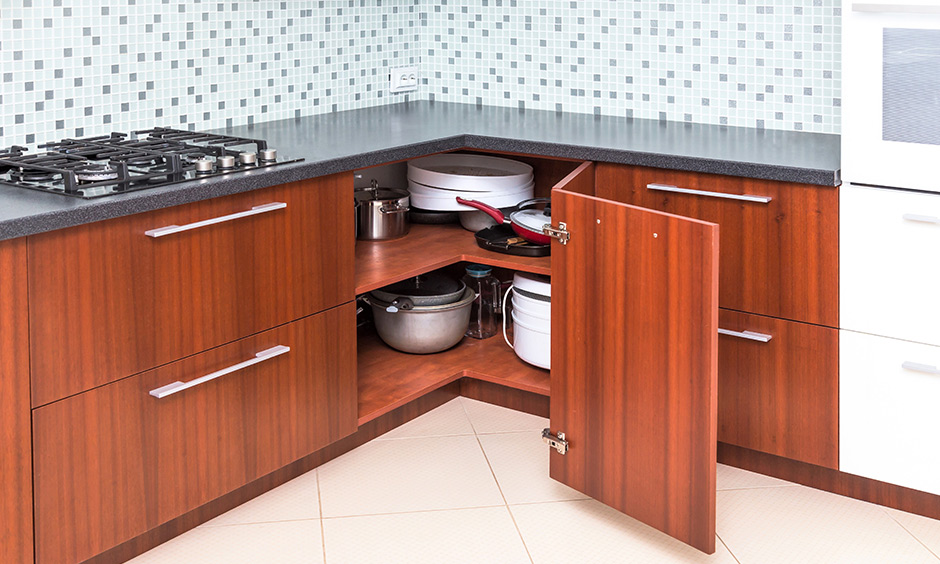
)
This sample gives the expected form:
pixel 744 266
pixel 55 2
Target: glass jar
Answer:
pixel 485 308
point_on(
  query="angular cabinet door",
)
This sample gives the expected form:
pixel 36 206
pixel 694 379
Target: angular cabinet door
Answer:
pixel 635 361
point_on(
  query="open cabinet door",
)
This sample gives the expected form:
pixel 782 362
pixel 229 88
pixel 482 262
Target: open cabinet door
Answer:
pixel 635 361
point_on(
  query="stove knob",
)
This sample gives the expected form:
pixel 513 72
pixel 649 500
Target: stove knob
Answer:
pixel 204 165
pixel 247 158
pixel 269 155
pixel 225 162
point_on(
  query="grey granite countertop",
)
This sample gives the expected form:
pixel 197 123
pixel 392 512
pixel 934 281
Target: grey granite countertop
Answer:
pixel 355 139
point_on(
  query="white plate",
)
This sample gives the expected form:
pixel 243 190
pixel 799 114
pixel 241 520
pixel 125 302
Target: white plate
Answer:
pixel 449 203
pixel 473 173
pixel 435 192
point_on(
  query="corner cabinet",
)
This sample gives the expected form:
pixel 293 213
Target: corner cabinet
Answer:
pixel 635 359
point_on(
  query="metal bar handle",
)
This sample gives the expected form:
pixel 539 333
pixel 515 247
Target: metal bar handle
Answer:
pixel 896 9
pixel 918 367
pixel 749 335
pixel 741 197
pixel 262 356
pixel 171 229
pixel 922 218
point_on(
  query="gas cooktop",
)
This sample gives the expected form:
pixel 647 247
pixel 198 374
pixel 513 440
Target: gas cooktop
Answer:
pixel 118 163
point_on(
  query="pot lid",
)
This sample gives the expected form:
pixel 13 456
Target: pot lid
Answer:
pixel 533 220
pixel 424 285
pixel 380 194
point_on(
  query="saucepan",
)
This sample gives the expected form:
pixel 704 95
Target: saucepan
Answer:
pixel 527 223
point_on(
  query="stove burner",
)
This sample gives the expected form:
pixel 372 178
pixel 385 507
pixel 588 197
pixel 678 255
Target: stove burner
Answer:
pixel 21 175
pixel 96 172
pixel 118 163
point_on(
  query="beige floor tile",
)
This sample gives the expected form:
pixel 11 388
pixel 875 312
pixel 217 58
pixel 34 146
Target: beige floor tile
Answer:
pixel 588 532
pixel 926 530
pixel 731 478
pixel 448 419
pixel 295 500
pixel 289 542
pixel 408 475
pixel 488 418
pixel 520 462
pixel 462 536
pixel 807 526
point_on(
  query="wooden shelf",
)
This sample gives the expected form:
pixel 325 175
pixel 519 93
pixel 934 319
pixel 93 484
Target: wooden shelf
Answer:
pixel 389 379
pixel 426 248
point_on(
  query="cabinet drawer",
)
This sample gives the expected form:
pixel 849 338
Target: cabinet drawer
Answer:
pixel 889 394
pixel 108 301
pixel 778 257
pixel 889 263
pixel 114 462
pixel 779 396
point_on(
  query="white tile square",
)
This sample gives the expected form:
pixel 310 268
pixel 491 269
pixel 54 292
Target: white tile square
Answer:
pixel 295 500
pixel 446 420
pixel 731 478
pixel 924 529
pixel 288 542
pixel 587 531
pixel 408 475
pixel 800 524
pixel 488 418
pixel 520 462
pixel 462 536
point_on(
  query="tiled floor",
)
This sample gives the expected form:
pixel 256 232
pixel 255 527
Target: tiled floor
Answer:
pixel 468 483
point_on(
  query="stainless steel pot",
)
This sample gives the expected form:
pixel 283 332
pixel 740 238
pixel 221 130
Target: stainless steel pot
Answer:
pixel 427 289
pixel 422 329
pixel 383 213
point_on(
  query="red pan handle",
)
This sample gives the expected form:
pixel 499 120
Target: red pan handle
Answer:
pixel 490 210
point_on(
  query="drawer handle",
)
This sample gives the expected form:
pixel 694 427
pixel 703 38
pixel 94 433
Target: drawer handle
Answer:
pixel 171 229
pixel 749 335
pixel 918 367
pixel 741 197
pixel 922 218
pixel 262 356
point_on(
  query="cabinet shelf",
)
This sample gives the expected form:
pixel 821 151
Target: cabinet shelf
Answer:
pixel 426 248
pixel 389 378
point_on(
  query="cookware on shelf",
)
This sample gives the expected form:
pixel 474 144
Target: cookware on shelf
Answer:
pixel 527 223
pixel 383 212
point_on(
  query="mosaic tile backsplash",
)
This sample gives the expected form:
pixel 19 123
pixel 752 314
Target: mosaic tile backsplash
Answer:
pixel 87 67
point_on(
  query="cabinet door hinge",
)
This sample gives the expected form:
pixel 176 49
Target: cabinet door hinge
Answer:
pixel 561 232
pixel 557 442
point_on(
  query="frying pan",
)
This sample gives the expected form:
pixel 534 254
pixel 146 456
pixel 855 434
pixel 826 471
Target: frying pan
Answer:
pixel 527 223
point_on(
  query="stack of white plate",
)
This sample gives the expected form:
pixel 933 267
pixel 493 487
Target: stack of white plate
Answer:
pixel 436 181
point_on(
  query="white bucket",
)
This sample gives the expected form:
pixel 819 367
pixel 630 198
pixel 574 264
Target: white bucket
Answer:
pixel 531 317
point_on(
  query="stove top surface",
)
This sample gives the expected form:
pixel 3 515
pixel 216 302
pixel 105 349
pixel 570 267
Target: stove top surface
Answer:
pixel 117 163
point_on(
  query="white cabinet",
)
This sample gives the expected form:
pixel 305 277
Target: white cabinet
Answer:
pixel 890 263
pixel 890 410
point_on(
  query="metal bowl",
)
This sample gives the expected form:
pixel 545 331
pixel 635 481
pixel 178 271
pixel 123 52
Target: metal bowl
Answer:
pixel 422 329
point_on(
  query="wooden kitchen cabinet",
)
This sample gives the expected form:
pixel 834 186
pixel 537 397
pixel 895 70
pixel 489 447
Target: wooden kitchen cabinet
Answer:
pixel 779 244
pixel 16 484
pixel 109 300
pixel 779 387
pixel 114 462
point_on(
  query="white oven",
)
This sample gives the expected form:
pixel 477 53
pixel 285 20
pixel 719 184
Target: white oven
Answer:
pixel 891 94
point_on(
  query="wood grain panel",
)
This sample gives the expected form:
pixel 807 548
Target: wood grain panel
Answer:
pixel 108 301
pixel 865 489
pixel 779 259
pixel 115 462
pixel 379 426
pixel 427 248
pixel 16 484
pixel 634 363
pixel 503 396
pixel 780 397
pixel 390 378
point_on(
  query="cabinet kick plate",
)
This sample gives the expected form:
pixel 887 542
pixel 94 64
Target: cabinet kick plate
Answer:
pixel 557 442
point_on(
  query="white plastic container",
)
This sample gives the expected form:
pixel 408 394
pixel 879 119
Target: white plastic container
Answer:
pixel 531 318
pixel 474 173
pixel 427 198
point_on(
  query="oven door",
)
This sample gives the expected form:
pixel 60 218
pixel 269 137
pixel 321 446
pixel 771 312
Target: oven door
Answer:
pixel 891 95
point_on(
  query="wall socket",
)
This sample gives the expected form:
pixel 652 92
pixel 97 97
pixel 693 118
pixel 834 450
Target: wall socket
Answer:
pixel 403 79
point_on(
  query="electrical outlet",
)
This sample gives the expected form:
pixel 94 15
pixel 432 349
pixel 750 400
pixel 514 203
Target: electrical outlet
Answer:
pixel 403 79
